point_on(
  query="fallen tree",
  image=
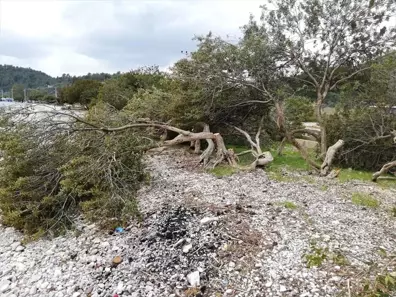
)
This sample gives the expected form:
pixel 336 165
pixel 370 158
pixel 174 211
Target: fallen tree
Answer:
pixel 215 152
pixel 388 166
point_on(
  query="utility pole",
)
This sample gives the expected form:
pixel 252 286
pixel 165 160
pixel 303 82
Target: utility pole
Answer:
pixel 56 92
pixel 12 92
pixel 2 93
pixel 24 95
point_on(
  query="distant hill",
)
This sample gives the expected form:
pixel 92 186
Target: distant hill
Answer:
pixel 32 79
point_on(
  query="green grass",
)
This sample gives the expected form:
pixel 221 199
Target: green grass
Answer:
pixel 393 211
pixel 289 161
pixel 324 188
pixel 289 205
pixel 223 170
pixel 363 199
pixel 347 175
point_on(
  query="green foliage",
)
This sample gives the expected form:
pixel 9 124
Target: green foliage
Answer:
pixel 363 199
pixel 316 257
pixel 82 92
pixel 379 282
pixel 29 78
pixel 223 170
pixel 289 205
pixel 339 259
pixel 46 180
pixel 298 110
pixel 18 92
pixel 120 90
pixel 364 120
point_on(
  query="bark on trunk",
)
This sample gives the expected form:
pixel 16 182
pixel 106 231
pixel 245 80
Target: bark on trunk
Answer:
pixel 323 140
pixel 328 161
pixel 281 147
pixel 197 146
pixel 383 170
pixel 319 118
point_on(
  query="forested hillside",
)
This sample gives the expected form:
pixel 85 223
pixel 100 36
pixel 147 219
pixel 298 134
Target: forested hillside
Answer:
pixel 30 78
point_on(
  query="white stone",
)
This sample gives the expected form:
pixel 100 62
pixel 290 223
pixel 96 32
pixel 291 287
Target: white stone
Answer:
pixel 76 294
pixel 187 248
pixel 268 284
pixel 229 291
pixel 44 285
pixel 104 245
pixel 4 285
pixel 208 220
pixel 326 238
pixel 20 248
pixel 282 289
pixel 120 288
pixel 96 240
pixel 36 277
pixel 194 279
pixel 57 273
pixel 14 245
pixel 32 290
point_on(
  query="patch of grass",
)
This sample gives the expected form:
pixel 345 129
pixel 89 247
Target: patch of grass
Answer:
pixel 289 205
pixel 347 175
pixel 324 188
pixel 339 259
pixel 378 282
pixel 290 159
pixel 363 199
pixel 393 211
pixel 316 257
pixel 223 170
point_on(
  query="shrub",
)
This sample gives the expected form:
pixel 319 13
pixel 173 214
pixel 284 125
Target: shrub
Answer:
pixel 47 179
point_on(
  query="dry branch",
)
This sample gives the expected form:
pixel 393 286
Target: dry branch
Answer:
pixel 261 158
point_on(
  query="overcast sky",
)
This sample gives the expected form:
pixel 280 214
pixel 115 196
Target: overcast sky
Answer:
pixel 78 37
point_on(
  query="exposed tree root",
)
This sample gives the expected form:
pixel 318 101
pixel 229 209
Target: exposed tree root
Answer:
pixel 383 170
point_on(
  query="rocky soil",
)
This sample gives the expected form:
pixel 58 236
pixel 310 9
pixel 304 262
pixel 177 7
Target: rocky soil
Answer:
pixel 242 235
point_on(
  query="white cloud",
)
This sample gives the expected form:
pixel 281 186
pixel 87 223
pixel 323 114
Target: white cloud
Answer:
pixel 77 37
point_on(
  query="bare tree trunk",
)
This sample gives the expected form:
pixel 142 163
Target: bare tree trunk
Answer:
pixel 383 170
pixel 281 147
pixel 319 118
pixel 197 146
pixel 325 168
pixel 323 140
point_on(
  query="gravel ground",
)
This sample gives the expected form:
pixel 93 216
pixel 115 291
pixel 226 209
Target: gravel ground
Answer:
pixel 209 236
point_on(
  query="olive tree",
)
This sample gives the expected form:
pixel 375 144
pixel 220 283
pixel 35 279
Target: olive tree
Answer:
pixel 326 43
